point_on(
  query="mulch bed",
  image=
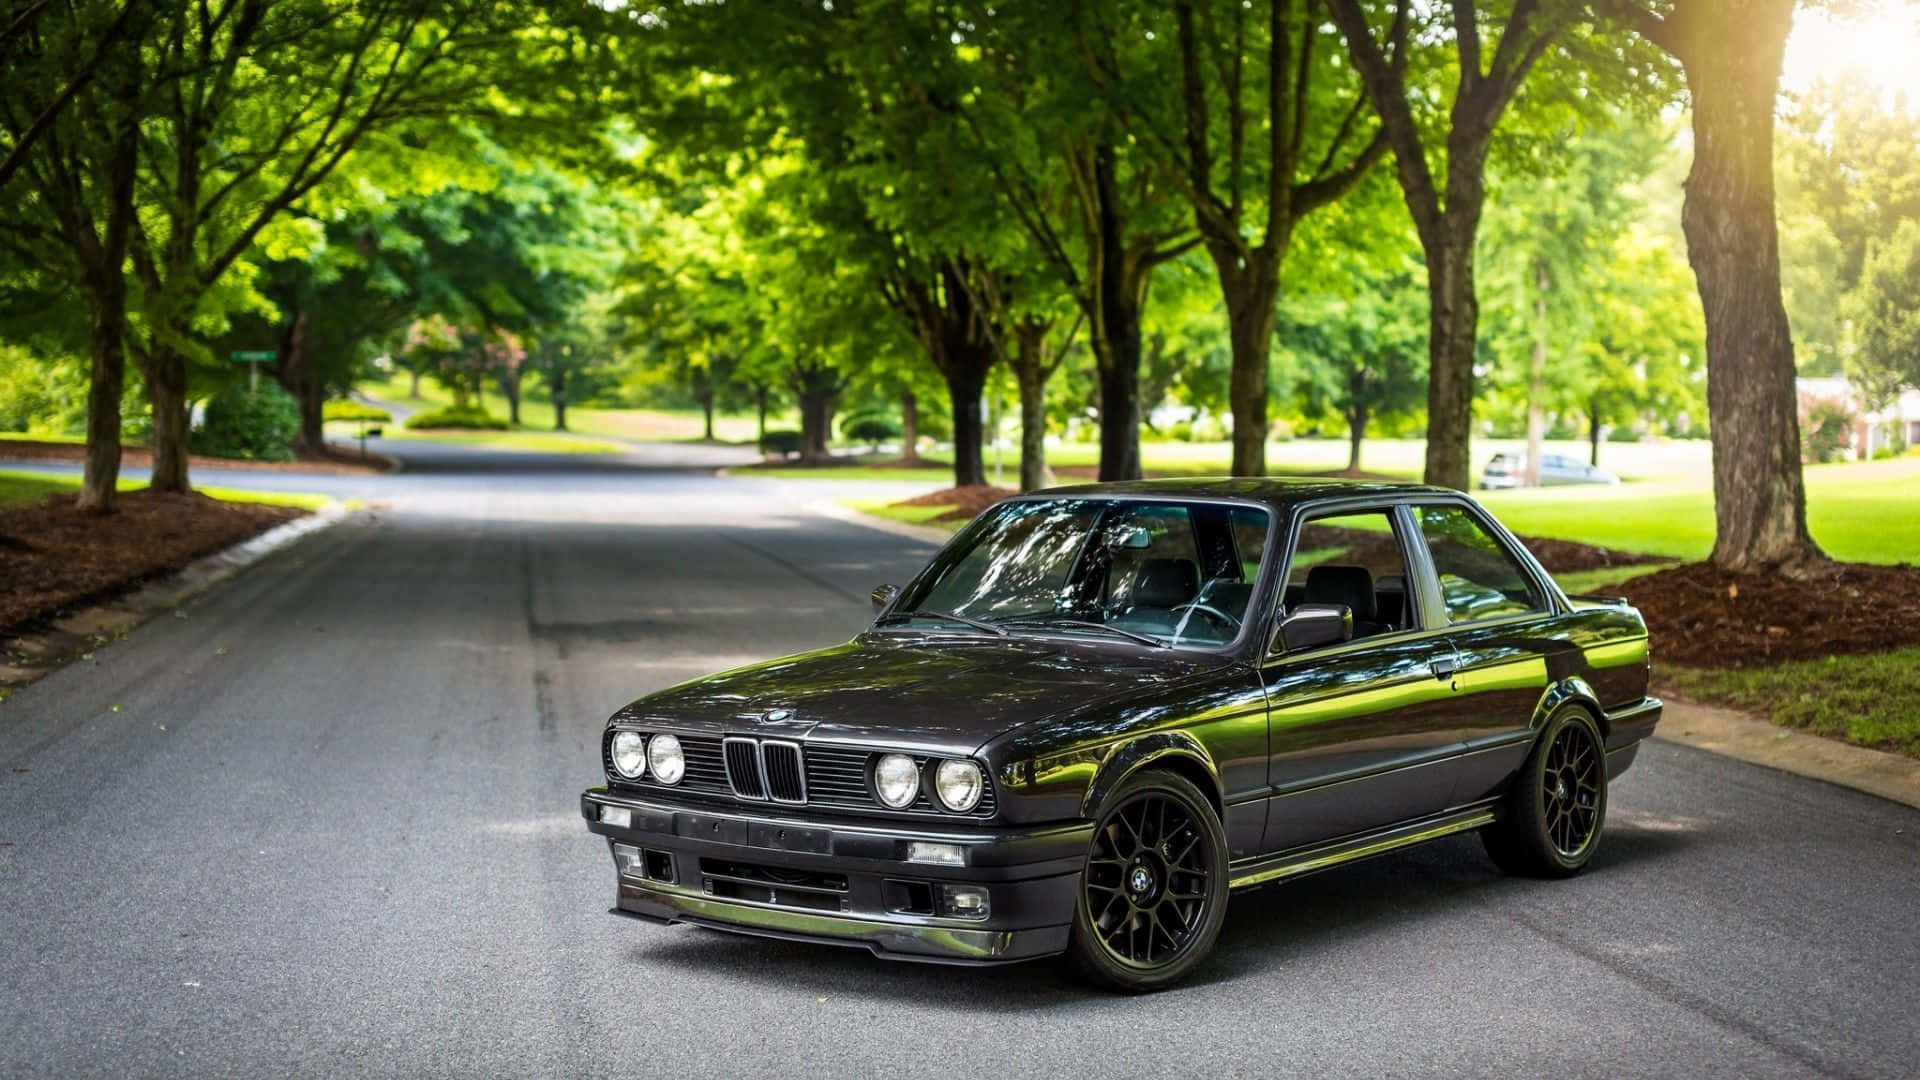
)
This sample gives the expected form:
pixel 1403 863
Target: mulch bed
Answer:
pixel 967 502
pixel 1700 616
pixel 333 460
pixel 54 558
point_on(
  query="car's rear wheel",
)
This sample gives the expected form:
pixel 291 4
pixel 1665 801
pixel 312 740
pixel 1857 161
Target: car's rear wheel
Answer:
pixel 1154 893
pixel 1558 803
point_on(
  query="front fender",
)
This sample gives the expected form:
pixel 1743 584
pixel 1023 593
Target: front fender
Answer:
pixel 1176 748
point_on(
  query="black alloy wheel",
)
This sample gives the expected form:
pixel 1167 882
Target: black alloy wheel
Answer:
pixel 1155 888
pixel 1558 803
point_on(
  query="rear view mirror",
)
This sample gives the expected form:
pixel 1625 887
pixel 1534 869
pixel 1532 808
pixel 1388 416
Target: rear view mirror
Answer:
pixel 1312 625
pixel 883 596
pixel 1133 538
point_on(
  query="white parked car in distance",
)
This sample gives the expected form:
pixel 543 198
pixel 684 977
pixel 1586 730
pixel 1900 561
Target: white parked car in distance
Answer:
pixel 1510 471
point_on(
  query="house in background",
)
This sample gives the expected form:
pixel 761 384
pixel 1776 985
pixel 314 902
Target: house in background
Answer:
pixel 1895 425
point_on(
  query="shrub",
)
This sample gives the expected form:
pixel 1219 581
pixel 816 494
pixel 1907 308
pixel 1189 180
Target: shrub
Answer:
pixel 869 428
pixel 782 442
pixel 470 417
pixel 1623 434
pixel 351 410
pixel 1181 431
pixel 259 424
pixel 1824 436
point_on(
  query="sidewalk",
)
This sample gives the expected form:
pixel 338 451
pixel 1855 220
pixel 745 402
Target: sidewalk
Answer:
pixel 1737 735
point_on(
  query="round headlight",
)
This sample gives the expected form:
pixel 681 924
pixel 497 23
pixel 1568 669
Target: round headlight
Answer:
pixel 666 759
pixel 958 783
pixel 896 780
pixel 629 754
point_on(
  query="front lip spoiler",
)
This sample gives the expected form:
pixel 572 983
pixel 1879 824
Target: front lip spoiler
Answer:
pixel 665 905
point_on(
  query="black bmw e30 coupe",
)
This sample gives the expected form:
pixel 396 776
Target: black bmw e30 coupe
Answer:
pixel 1101 709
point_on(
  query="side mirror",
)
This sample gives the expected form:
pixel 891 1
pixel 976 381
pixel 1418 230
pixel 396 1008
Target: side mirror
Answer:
pixel 884 595
pixel 1310 626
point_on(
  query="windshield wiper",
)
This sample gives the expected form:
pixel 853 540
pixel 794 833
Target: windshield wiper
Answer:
pixel 1088 624
pixel 924 613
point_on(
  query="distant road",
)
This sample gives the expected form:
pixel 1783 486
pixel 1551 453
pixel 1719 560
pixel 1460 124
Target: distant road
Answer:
pixel 326 824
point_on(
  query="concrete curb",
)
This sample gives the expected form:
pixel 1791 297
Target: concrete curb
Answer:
pixel 829 508
pixel 28 657
pixel 1757 742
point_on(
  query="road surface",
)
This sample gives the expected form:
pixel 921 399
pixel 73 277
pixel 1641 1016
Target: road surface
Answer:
pixel 324 822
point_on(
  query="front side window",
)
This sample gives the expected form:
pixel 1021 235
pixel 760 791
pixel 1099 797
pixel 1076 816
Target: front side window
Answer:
pixel 1354 560
pixel 1166 572
pixel 1479 577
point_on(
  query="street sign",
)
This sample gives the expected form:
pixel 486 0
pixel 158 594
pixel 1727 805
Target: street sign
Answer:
pixel 253 358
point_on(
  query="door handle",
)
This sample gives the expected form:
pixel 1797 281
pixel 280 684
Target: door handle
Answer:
pixel 1443 667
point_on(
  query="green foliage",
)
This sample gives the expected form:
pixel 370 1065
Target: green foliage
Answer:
pixel 1824 435
pixel 40 394
pixel 1886 310
pixel 466 417
pixel 351 410
pixel 780 442
pixel 869 428
pixel 255 424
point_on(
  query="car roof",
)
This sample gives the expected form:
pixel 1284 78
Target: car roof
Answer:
pixel 1279 492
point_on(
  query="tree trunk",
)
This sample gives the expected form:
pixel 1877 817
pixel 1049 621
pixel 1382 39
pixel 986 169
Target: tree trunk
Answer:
pixel 760 407
pixel 909 428
pixel 1119 295
pixel 557 389
pixel 309 392
pixel 816 422
pixel 706 413
pixel 510 389
pixel 413 391
pixel 1250 317
pixel 166 372
pixel 1452 322
pixel 1593 434
pixel 1732 59
pixel 106 383
pixel 1356 434
pixel 1030 370
pixel 966 378
pixel 1537 383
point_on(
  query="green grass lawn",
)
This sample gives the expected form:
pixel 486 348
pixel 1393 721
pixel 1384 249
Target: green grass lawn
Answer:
pixel 1867 700
pixel 648 425
pixel 19 488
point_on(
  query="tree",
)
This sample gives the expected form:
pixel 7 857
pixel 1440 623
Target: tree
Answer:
pixel 1235 77
pixel 1886 308
pixel 1731 55
pixel 265 98
pixel 1358 352
pixel 1446 209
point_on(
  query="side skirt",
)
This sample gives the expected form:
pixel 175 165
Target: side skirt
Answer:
pixel 1307 860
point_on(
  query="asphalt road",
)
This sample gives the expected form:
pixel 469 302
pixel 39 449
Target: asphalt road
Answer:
pixel 324 822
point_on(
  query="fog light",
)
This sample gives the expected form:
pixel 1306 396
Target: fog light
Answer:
pixel 629 860
pixel 617 816
pixel 963 901
pixel 936 854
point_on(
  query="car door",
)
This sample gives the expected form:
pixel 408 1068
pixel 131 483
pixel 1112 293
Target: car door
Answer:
pixel 1500 619
pixel 1359 731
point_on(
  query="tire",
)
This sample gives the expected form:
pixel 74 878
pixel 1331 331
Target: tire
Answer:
pixel 1153 892
pixel 1557 806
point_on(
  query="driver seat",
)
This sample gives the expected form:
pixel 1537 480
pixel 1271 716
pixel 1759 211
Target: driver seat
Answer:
pixel 1348 585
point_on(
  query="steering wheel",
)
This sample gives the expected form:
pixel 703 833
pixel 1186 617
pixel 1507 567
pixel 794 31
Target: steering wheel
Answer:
pixel 1192 606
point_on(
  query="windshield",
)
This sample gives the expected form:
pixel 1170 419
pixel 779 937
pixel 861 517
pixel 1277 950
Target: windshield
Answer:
pixel 1171 573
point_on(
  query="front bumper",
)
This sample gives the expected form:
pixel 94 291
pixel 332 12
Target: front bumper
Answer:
pixel 842 883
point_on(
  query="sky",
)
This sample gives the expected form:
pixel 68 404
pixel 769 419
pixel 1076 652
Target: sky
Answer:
pixel 1883 40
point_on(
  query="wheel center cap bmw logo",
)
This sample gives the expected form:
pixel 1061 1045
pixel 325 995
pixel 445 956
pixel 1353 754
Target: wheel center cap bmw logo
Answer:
pixel 775 716
pixel 1141 880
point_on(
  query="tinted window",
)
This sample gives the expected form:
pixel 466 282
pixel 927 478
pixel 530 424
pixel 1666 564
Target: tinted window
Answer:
pixel 1479 577
pixel 1354 560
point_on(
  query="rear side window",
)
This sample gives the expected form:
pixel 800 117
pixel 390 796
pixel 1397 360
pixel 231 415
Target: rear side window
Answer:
pixel 1479 577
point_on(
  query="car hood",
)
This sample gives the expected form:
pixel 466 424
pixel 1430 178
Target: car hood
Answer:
pixel 936 692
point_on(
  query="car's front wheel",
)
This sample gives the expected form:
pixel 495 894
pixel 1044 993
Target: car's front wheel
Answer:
pixel 1154 893
pixel 1558 803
